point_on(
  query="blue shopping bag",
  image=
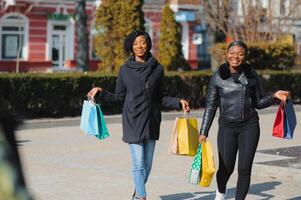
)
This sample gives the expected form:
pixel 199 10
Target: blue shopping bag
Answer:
pixel 290 121
pixel 92 120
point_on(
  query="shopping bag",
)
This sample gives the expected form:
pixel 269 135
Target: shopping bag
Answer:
pixel 285 121
pixel 103 130
pixel 290 121
pixel 195 170
pixel 173 145
pixel 278 128
pixel 92 120
pixel 187 136
pixel 208 166
pixel 88 121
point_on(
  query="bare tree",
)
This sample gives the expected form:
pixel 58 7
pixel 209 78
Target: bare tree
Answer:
pixel 250 20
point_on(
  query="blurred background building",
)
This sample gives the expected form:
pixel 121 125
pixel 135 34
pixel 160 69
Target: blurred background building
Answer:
pixel 188 14
pixel 286 13
pixel 39 35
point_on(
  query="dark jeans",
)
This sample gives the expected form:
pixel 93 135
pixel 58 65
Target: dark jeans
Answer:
pixel 232 138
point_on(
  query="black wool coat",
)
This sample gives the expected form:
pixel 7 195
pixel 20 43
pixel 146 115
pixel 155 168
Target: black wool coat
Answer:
pixel 139 87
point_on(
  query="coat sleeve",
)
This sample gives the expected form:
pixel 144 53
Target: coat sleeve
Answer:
pixel 211 106
pixel 118 96
pixel 167 101
pixel 260 99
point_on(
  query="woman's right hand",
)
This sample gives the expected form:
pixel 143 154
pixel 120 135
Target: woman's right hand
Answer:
pixel 202 138
pixel 281 95
pixel 93 92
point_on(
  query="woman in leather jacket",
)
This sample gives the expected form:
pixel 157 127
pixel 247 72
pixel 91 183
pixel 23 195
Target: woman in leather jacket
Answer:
pixel 236 89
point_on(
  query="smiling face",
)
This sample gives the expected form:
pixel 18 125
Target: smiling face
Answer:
pixel 236 55
pixel 140 48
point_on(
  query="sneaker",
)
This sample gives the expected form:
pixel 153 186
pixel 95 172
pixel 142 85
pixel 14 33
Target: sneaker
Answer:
pixel 134 197
pixel 134 194
pixel 220 196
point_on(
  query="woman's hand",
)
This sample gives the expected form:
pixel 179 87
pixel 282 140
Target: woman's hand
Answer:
pixel 202 138
pixel 185 105
pixel 93 92
pixel 281 95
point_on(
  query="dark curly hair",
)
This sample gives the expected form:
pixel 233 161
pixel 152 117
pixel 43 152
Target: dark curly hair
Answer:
pixel 129 40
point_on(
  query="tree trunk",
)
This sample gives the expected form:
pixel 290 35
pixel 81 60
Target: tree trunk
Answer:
pixel 82 36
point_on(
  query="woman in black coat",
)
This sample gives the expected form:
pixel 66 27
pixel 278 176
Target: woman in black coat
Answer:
pixel 236 89
pixel 139 89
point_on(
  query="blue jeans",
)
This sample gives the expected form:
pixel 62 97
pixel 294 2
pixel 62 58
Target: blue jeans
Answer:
pixel 142 159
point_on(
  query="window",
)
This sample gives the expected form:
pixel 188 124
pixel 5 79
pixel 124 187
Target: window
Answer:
pixel 149 27
pixel 12 36
pixel 93 43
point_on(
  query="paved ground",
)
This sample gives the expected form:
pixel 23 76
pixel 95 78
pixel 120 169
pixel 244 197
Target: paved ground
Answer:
pixel 62 163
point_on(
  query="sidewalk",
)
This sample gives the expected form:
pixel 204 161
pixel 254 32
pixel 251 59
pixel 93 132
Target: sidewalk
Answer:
pixel 61 163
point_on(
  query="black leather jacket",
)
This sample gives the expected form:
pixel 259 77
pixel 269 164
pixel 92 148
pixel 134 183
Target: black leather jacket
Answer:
pixel 237 99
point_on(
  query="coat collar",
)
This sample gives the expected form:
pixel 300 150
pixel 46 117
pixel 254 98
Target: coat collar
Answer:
pixel 224 70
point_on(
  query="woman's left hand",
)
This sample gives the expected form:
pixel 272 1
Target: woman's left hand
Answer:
pixel 185 105
pixel 281 95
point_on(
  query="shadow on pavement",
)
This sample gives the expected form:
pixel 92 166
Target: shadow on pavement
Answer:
pixel 261 188
pixel 22 142
pixel 255 189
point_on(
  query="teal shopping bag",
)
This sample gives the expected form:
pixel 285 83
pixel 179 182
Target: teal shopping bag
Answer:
pixel 92 120
pixel 102 127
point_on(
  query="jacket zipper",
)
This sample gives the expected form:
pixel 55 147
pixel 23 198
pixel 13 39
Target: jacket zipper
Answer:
pixel 242 102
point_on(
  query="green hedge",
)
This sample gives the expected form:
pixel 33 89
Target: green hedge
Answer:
pixel 49 95
pixel 60 95
pixel 273 55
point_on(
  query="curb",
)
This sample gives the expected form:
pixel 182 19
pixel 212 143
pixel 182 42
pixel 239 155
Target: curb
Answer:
pixel 111 119
pixel 75 121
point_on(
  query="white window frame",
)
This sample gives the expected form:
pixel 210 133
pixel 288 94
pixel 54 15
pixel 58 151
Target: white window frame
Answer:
pixel 92 33
pixel 69 52
pixel 185 39
pixel 4 21
pixel 149 24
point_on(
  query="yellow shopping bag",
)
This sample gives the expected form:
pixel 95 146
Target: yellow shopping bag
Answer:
pixel 187 132
pixel 208 167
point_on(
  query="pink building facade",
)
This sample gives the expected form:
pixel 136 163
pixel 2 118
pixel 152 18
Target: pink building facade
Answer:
pixel 40 35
